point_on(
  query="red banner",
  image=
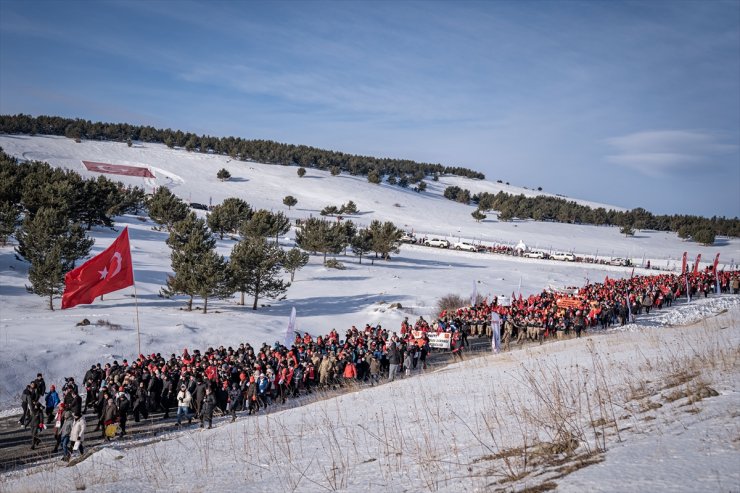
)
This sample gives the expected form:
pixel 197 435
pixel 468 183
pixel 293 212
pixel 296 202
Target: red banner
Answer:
pixel 118 169
pixel 683 263
pixel 696 264
pixel 716 262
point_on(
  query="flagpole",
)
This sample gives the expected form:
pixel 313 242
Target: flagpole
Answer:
pixel 138 331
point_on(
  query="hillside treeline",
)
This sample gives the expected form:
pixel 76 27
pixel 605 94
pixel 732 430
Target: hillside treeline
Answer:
pixel 546 208
pixel 263 151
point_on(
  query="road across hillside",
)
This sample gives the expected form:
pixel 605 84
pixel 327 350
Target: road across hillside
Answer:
pixel 15 442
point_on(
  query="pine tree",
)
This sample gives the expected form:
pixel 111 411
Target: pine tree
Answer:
pixel 386 238
pixel 627 230
pixel 422 186
pixel 8 220
pixel 52 245
pixel 329 210
pixel 254 268
pixel 223 174
pixel 198 269
pixel 280 224
pixel 133 200
pixel 228 216
pixel 335 170
pixel 478 215
pixel 374 177
pixel 260 225
pixel 362 243
pixel 348 208
pixel 290 201
pixel 318 235
pixel 294 260
pixel 301 172
pixel 704 236
pixel 165 208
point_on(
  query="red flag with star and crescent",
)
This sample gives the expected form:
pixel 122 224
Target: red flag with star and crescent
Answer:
pixel 106 272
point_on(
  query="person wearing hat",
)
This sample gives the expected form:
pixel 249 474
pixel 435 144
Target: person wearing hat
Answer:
pixel 52 400
pixel 184 401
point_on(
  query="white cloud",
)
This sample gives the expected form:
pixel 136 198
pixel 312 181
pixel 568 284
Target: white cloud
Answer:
pixel 661 152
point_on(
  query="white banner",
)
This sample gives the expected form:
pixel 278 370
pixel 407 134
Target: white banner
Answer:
pixel 290 330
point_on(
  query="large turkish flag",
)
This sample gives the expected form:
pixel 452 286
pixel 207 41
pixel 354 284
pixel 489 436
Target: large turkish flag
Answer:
pixel 106 272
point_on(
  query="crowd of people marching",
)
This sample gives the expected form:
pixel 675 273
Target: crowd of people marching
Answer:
pixel 242 379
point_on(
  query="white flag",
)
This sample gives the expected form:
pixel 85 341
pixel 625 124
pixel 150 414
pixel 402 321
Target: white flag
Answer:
pixel 290 330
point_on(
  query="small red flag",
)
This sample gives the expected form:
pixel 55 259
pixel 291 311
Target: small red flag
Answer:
pixel 106 272
pixel 696 264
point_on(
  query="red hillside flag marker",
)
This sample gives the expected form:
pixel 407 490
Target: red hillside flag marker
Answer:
pixel 106 272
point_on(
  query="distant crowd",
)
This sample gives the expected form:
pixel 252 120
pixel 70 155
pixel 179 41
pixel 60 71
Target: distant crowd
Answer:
pixel 196 384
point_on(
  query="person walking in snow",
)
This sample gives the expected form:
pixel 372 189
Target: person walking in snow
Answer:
pixel 184 400
pixel 52 401
pixel 77 435
pixel 37 420
pixel 207 408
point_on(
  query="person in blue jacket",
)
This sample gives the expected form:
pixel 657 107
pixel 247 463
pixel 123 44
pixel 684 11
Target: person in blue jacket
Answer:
pixel 52 401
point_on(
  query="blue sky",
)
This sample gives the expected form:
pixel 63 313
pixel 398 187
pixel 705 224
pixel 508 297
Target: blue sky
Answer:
pixel 635 104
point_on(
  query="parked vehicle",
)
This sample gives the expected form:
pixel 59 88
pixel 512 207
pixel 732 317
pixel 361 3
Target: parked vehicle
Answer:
pixel 407 238
pixel 464 245
pixel 619 261
pixel 533 254
pixel 437 242
pixel 565 256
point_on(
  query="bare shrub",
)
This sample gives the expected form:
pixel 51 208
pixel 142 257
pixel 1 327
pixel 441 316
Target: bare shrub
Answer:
pixel 451 302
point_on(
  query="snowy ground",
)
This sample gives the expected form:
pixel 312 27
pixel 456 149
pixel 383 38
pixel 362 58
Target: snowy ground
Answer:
pixel 429 433
pixel 644 408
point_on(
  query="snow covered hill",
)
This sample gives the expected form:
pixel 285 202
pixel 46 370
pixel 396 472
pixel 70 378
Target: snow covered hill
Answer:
pixel 36 339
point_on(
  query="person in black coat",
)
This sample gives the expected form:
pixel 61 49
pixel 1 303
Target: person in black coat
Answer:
pixel 37 417
pixel 27 400
pixel 40 386
pixel 207 407
pixel 140 402
pixel 199 395
pixel 167 394
pixel 76 402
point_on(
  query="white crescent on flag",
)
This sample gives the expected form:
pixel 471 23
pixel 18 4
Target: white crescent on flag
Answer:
pixel 118 257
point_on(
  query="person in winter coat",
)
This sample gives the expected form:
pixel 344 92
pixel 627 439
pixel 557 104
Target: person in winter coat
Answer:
pixel 263 390
pixel 58 422
pixel 394 360
pixel 579 323
pixel 184 401
pixel 407 363
pixel 109 415
pixel 207 408
pixel 123 403
pixel 40 386
pixel 77 435
pixel 168 394
pixel 37 418
pixel 374 370
pixel 235 400
pixel 350 372
pixel 65 432
pixel 27 400
pixel 141 402
pixel 76 404
pixel 251 396
pixel 199 395
pixel 52 401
